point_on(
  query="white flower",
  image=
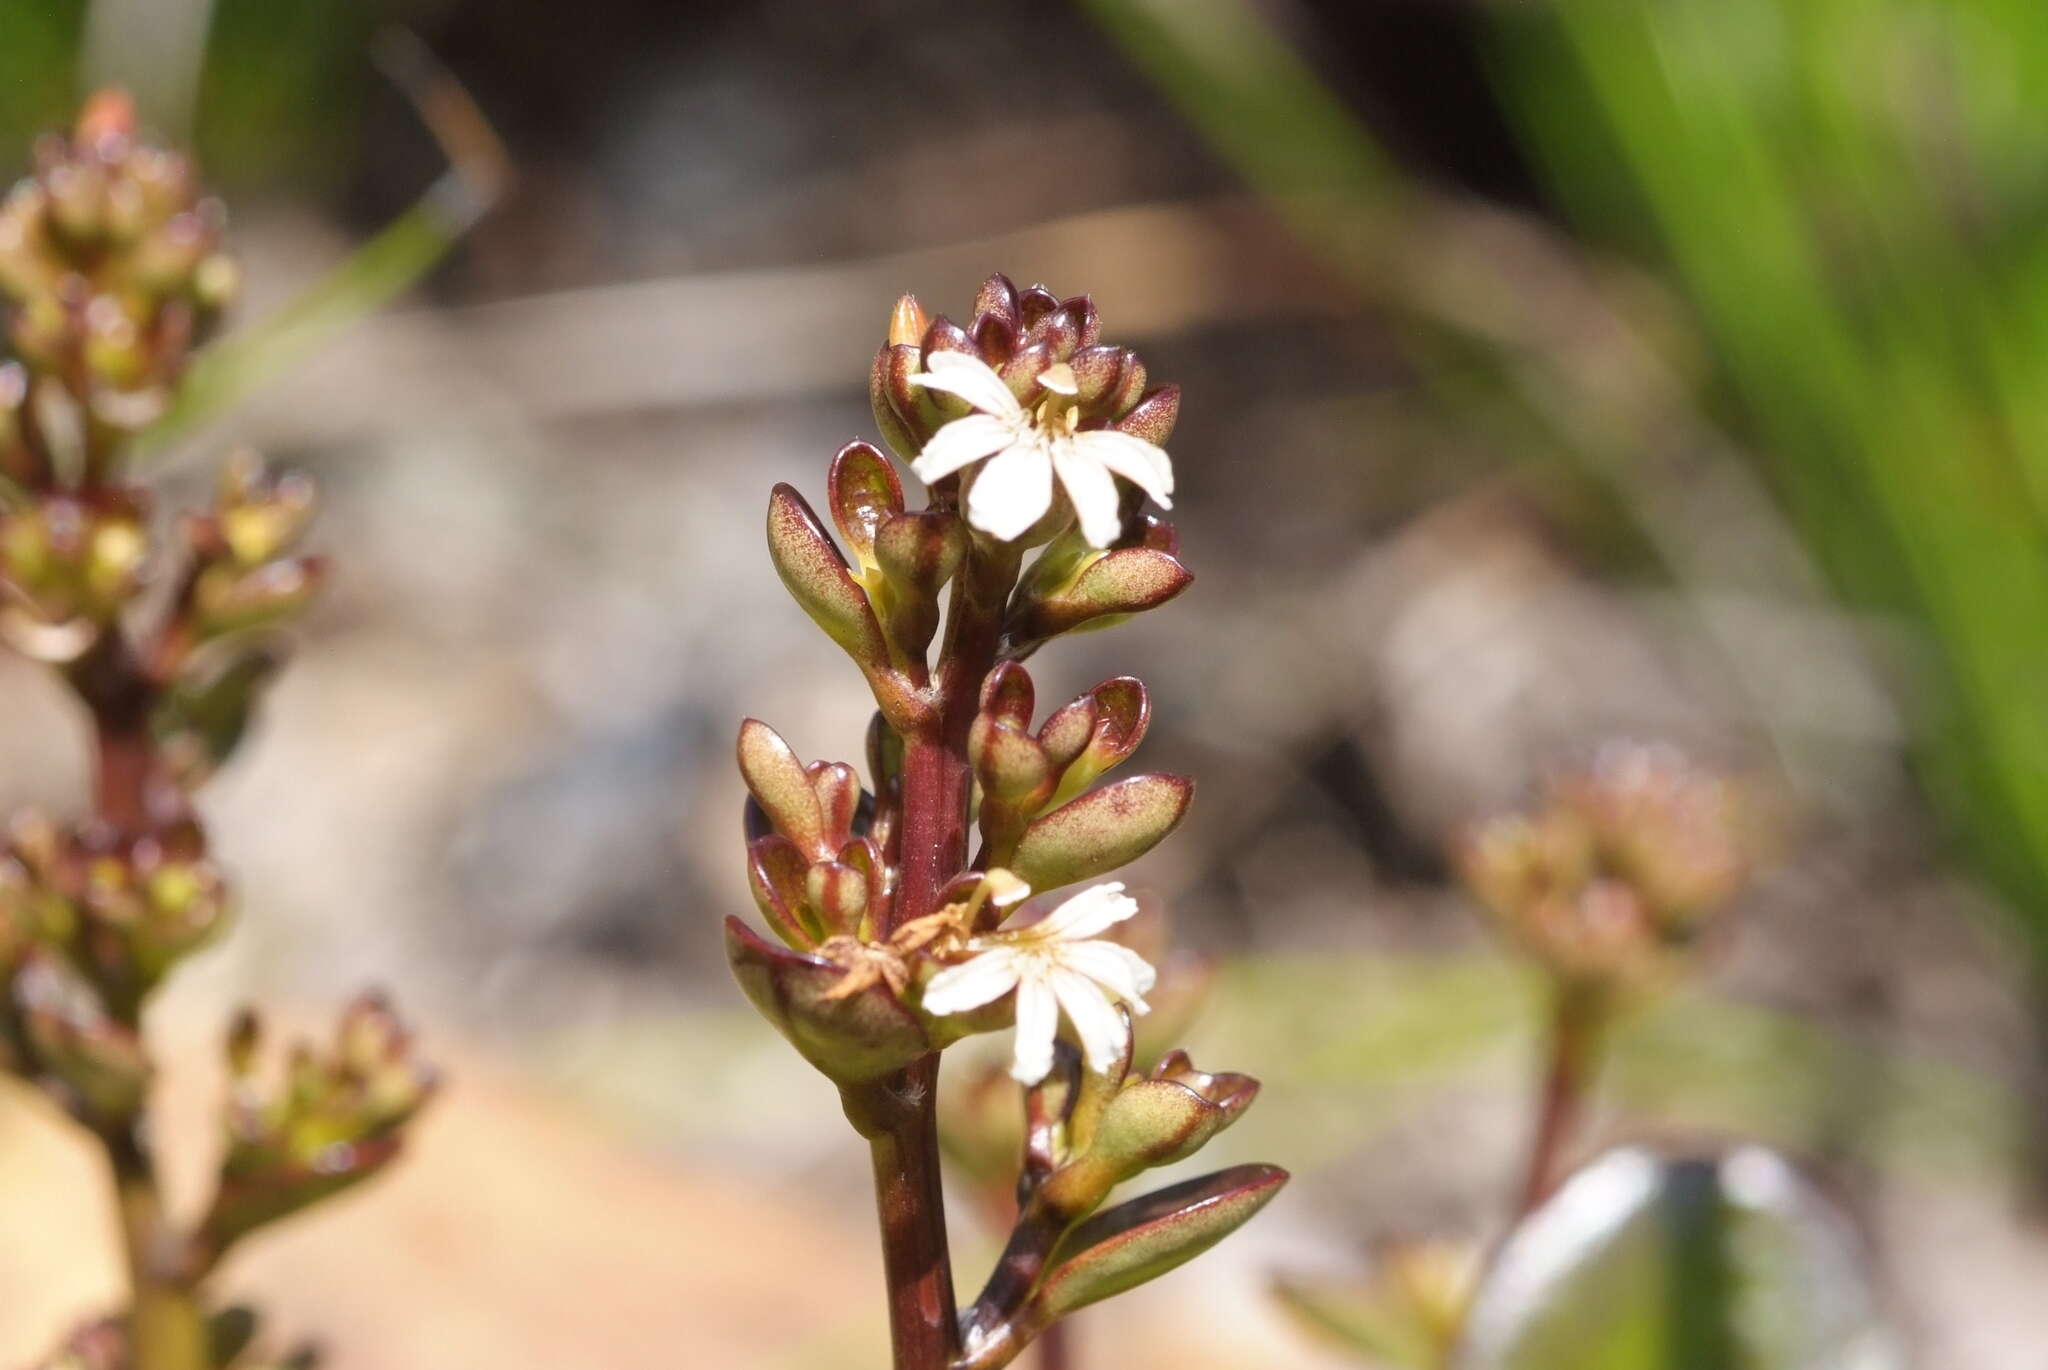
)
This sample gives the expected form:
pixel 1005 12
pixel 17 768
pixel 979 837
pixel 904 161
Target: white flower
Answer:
pixel 1053 964
pixel 1028 447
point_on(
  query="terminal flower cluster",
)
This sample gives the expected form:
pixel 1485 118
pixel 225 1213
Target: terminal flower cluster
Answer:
pixel 961 888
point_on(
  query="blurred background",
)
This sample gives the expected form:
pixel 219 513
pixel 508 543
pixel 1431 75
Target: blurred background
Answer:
pixel 1554 371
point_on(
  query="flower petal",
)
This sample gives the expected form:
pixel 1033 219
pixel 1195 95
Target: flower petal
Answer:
pixel 1092 491
pixel 1096 1021
pixel 1137 461
pixel 1088 914
pixel 969 377
pixel 1116 968
pixel 960 442
pixel 1013 491
pixel 1038 1022
pixel 987 977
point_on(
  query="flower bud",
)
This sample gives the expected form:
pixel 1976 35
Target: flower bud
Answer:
pixel 1096 733
pixel 333 1120
pixel 67 559
pixel 227 600
pixel 1019 334
pixel 261 516
pixel 94 1065
pixel 851 1038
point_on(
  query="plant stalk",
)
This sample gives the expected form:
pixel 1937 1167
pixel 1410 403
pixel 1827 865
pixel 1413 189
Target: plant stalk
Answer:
pixel 167 1324
pixel 1575 1024
pixel 1055 1348
pixel 899 1115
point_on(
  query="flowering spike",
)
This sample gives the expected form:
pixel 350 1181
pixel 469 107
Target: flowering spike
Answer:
pixel 1028 432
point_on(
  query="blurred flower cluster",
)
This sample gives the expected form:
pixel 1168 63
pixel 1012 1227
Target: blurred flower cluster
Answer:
pixel 1608 888
pixel 1618 877
pixel 165 631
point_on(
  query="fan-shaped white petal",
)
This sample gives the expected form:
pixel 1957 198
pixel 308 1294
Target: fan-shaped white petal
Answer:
pixel 1013 491
pixel 983 979
pixel 1137 461
pixel 1038 1021
pixel 1096 1021
pixel 1092 490
pixel 971 378
pixel 960 442
pixel 1094 910
pixel 1116 968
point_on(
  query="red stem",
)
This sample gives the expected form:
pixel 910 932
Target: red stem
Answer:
pixel 924 1325
pixel 899 1115
pixel 126 759
pixel 1574 1030
pixel 1055 1348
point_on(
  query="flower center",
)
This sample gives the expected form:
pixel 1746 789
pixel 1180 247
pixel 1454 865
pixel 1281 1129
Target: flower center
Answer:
pixel 1057 416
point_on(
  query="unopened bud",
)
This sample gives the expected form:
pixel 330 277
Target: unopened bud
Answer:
pixel 907 322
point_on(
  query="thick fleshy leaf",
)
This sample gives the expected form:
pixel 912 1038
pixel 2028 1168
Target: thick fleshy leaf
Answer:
pixel 1126 580
pixel 1007 760
pixel 819 580
pixel 1149 1122
pixel 1021 372
pixel 1130 385
pixel 998 297
pixel 995 338
pixel 1058 331
pixel 205 716
pixel 837 786
pixel 920 550
pixel 1154 416
pixel 885 771
pixel 851 1040
pixel 1119 712
pixel 1034 303
pixel 863 489
pixel 1087 321
pixel 1096 371
pixel 776 873
pixel 1156 532
pixel 1736 1258
pixel 943 336
pixel 782 787
pixel 91 1063
pixel 1009 695
pixel 1157 1122
pixel 1097 1088
pixel 839 893
pixel 1101 830
pixel 1067 730
pixel 1141 1240
pixel 886 376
